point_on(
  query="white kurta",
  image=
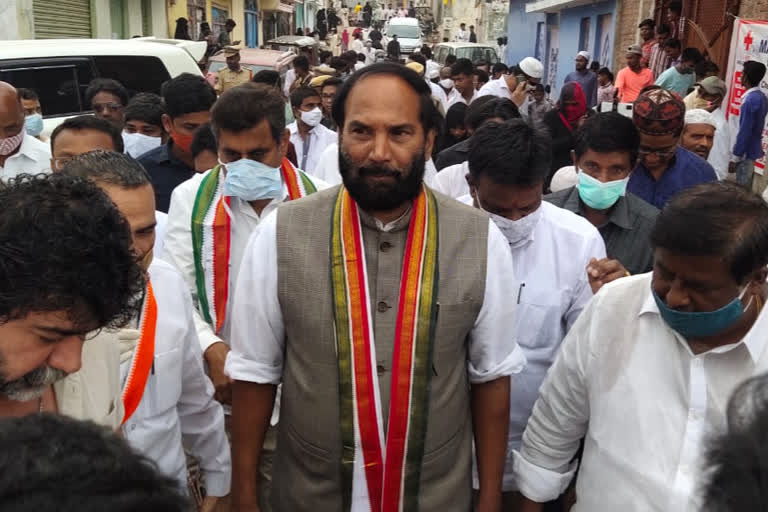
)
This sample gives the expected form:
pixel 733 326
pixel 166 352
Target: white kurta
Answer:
pixel 178 406
pixel 319 138
pixel 548 302
pixel 452 180
pixel 720 155
pixel 492 350
pixel 455 97
pixel 179 251
pixel 645 404
pixel 33 157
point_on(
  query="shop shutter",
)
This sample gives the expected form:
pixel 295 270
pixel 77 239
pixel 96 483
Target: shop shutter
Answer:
pixel 62 18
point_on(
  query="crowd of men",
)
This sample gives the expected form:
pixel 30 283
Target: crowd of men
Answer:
pixel 390 289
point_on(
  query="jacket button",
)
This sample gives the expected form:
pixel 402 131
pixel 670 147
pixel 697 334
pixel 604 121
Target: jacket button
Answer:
pixel 382 307
pixel 380 370
pixel 385 246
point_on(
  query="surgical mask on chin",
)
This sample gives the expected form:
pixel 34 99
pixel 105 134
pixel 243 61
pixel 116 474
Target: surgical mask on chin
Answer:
pixel 9 144
pixel 313 117
pixel 517 232
pixel 251 180
pixel 33 124
pixel 446 83
pixel 701 324
pixel 136 144
pixel 599 195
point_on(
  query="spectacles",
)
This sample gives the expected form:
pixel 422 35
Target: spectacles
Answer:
pixel 60 162
pixel 111 107
pixel 661 153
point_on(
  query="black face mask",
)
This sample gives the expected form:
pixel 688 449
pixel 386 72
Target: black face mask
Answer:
pixel 382 197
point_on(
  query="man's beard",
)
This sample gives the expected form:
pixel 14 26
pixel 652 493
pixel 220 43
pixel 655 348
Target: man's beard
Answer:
pixel 32 385
pixel 382 196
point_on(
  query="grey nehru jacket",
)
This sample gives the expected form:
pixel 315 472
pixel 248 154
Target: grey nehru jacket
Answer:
pixel 627 234
pixel 307 468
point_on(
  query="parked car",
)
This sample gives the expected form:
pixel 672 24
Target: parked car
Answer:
pixel 472 51
pixel 252 59
pixel 408 34
pixel 299 45
pixel 59 71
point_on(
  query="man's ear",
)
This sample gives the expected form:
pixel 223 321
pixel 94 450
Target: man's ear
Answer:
pixel 429 144
pixel 284 142
pixel 167 123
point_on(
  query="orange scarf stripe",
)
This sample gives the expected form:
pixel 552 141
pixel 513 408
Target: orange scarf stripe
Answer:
pixel 144 357
pixel 221 246
pixel 405 338
pixel 364 386
pixel 289 178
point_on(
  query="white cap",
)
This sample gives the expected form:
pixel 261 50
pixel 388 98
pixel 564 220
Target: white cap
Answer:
pixel 433 73
pixel 699 116
pixel 531 67
pixel 584 54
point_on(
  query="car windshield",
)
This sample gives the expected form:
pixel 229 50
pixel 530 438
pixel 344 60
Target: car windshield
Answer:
pixel 216 66
pixel 404 31
pixel 476 54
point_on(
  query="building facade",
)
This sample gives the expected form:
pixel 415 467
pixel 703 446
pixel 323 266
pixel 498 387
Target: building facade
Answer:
pixel 554 31
pixel 103 19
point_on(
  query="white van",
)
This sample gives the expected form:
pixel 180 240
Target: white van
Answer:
pixel 408 33
pixel 59 70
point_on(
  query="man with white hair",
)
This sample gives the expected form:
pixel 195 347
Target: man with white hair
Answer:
pixel 586 78
pixel 698 132
pixel 518 85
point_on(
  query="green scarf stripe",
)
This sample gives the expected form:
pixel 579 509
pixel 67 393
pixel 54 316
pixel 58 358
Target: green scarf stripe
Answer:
pixel 422 365
pixel 344 351
pixel 308 185
pixel 205 196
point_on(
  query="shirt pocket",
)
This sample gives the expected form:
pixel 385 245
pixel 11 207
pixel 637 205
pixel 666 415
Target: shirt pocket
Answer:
pixel 539 321
pixel 166 378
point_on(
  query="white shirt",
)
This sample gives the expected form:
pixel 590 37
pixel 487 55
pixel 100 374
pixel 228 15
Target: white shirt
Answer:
pixel 645 403
pixel 431 66
pixel 318 139
pixel 370 55
pixel 178 397
pixel 455 97
pixel 328 167
pixel 496 87
pixel 290 77
pixel 179 250
pixel 720 154
pixel 439 94
pixel 549 302
pixel 160 229
pixel 33 157
pixel 462 36
pixel 356 45
pixel 492 353
pixel 451 181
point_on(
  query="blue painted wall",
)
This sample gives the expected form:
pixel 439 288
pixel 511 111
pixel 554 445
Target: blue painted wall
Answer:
pixel 521 32
pixel 570 32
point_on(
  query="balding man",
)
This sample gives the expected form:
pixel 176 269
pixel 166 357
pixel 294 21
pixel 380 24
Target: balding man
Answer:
pixel 19 151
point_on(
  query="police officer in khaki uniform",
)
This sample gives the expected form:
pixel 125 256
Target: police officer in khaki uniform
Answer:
pixel 234 75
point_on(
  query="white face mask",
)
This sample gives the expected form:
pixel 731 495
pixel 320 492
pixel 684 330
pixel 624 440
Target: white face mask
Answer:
pixel 446 83
pixel 136 144
pixel 313 117
pixel 517 232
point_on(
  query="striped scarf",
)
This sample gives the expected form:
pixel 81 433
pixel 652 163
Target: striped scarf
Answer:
pixel 211 238
pixel 383 473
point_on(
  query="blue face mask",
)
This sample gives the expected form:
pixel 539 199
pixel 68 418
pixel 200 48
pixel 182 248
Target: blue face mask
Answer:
pixel 251 180
pixel 701 324
pixel 33 124
pixel 599 195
